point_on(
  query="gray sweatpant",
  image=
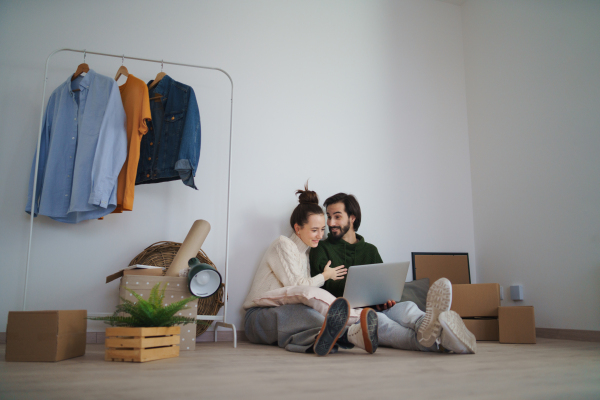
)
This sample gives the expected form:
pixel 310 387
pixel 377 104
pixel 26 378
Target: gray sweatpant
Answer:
pixel 295 326
pixel 398 327
pixel 292 326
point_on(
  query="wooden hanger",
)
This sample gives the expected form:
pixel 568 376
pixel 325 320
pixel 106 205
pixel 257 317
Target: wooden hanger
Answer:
pixel 159 76
pixel 81 68
pixel 122 70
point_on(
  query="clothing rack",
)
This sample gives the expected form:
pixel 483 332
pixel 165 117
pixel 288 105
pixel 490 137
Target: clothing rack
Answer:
pixel 221 321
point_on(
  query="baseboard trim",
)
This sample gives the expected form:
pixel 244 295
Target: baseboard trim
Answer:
pixel 568 334
pixel 222 336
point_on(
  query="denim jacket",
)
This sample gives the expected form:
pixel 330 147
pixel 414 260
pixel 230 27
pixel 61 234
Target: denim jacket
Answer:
pixel 171 148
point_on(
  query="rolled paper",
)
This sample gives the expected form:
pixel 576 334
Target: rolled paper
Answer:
pixel 190 247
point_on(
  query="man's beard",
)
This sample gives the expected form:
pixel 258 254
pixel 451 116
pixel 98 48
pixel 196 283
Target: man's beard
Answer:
pixel 342 230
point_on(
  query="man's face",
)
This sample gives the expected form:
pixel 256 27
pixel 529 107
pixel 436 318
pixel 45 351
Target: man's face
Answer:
pixel 338 221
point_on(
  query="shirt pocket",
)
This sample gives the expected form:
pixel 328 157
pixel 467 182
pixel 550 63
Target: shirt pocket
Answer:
pixel 174 123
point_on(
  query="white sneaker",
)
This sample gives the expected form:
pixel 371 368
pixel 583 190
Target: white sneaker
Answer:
pixel 455 335
pixel 364 334
pixel 439 299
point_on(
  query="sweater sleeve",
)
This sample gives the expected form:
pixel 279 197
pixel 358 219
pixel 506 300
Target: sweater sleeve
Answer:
pixel 288 267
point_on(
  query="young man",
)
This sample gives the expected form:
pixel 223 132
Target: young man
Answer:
pixel 402 325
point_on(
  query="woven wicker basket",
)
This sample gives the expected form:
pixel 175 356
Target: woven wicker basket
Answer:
pixel 161 254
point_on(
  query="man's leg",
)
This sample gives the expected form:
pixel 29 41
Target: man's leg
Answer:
pixel 398 327
pixel 292 326
pixel 422 330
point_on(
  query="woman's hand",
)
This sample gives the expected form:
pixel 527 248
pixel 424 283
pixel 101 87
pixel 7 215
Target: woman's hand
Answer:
pixel 334 273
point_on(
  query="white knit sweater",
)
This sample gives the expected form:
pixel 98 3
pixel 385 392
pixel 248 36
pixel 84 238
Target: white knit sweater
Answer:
pixel 284 264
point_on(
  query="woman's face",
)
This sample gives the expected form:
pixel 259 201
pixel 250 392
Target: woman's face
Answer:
pixel 313 231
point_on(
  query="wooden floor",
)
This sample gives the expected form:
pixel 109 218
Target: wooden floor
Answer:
pixel 551 369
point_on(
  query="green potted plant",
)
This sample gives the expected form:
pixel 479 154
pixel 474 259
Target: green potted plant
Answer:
pixel 149 331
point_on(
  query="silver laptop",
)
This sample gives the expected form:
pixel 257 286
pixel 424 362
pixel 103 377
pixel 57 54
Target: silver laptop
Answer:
pixel 372 284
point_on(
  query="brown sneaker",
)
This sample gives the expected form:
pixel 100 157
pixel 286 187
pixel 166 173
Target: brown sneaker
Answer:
pixel 439 299
pixel 364 333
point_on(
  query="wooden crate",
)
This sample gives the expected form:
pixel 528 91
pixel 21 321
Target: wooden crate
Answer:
pixel 141 344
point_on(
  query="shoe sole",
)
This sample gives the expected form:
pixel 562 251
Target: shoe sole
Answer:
pixel 369 324
pixel 439 299
pixel 454 323
pixel 333 326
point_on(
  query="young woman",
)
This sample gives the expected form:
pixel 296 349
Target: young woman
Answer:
pixel 285 264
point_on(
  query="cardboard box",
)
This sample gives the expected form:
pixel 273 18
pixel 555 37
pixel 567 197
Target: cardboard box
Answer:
pixel 476 300
pixel 517 324
pixel 45 335
pixel 483 328
pixel 176 290
pixel 454 266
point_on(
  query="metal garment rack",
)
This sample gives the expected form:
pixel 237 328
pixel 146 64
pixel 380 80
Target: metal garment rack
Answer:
pixel 221 321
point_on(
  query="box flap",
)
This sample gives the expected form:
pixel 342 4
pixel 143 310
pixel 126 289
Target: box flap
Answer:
pixel 453 266
pixel 114 276
pixel 136 269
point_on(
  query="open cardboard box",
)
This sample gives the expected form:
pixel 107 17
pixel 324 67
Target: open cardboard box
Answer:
pixel 45 335
pixel 176 289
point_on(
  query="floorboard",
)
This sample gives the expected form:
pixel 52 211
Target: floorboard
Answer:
pixel 551 369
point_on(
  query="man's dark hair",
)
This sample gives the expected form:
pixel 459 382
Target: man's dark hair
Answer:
pixel 350 204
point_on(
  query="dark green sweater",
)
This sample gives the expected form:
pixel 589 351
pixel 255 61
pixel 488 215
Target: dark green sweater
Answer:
pixel 341 252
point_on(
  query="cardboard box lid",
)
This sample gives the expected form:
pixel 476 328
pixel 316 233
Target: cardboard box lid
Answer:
pixel 476 300
pixel 454 266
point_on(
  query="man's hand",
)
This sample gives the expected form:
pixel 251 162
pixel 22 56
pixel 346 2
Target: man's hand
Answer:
pixel 385 306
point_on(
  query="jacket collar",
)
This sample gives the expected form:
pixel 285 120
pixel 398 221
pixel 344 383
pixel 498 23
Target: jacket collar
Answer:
pixel 301 245
pixel 163 86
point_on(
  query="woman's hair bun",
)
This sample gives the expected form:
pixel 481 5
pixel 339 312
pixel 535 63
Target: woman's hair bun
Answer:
pixel 307 196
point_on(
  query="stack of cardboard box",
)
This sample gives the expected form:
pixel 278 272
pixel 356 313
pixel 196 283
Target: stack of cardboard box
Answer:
pixel 478 304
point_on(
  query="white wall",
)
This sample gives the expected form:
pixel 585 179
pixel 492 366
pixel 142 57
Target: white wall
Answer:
pixel 533 90
pixel 360 96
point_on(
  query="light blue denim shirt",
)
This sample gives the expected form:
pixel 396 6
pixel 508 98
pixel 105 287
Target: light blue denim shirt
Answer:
pixel 83 148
